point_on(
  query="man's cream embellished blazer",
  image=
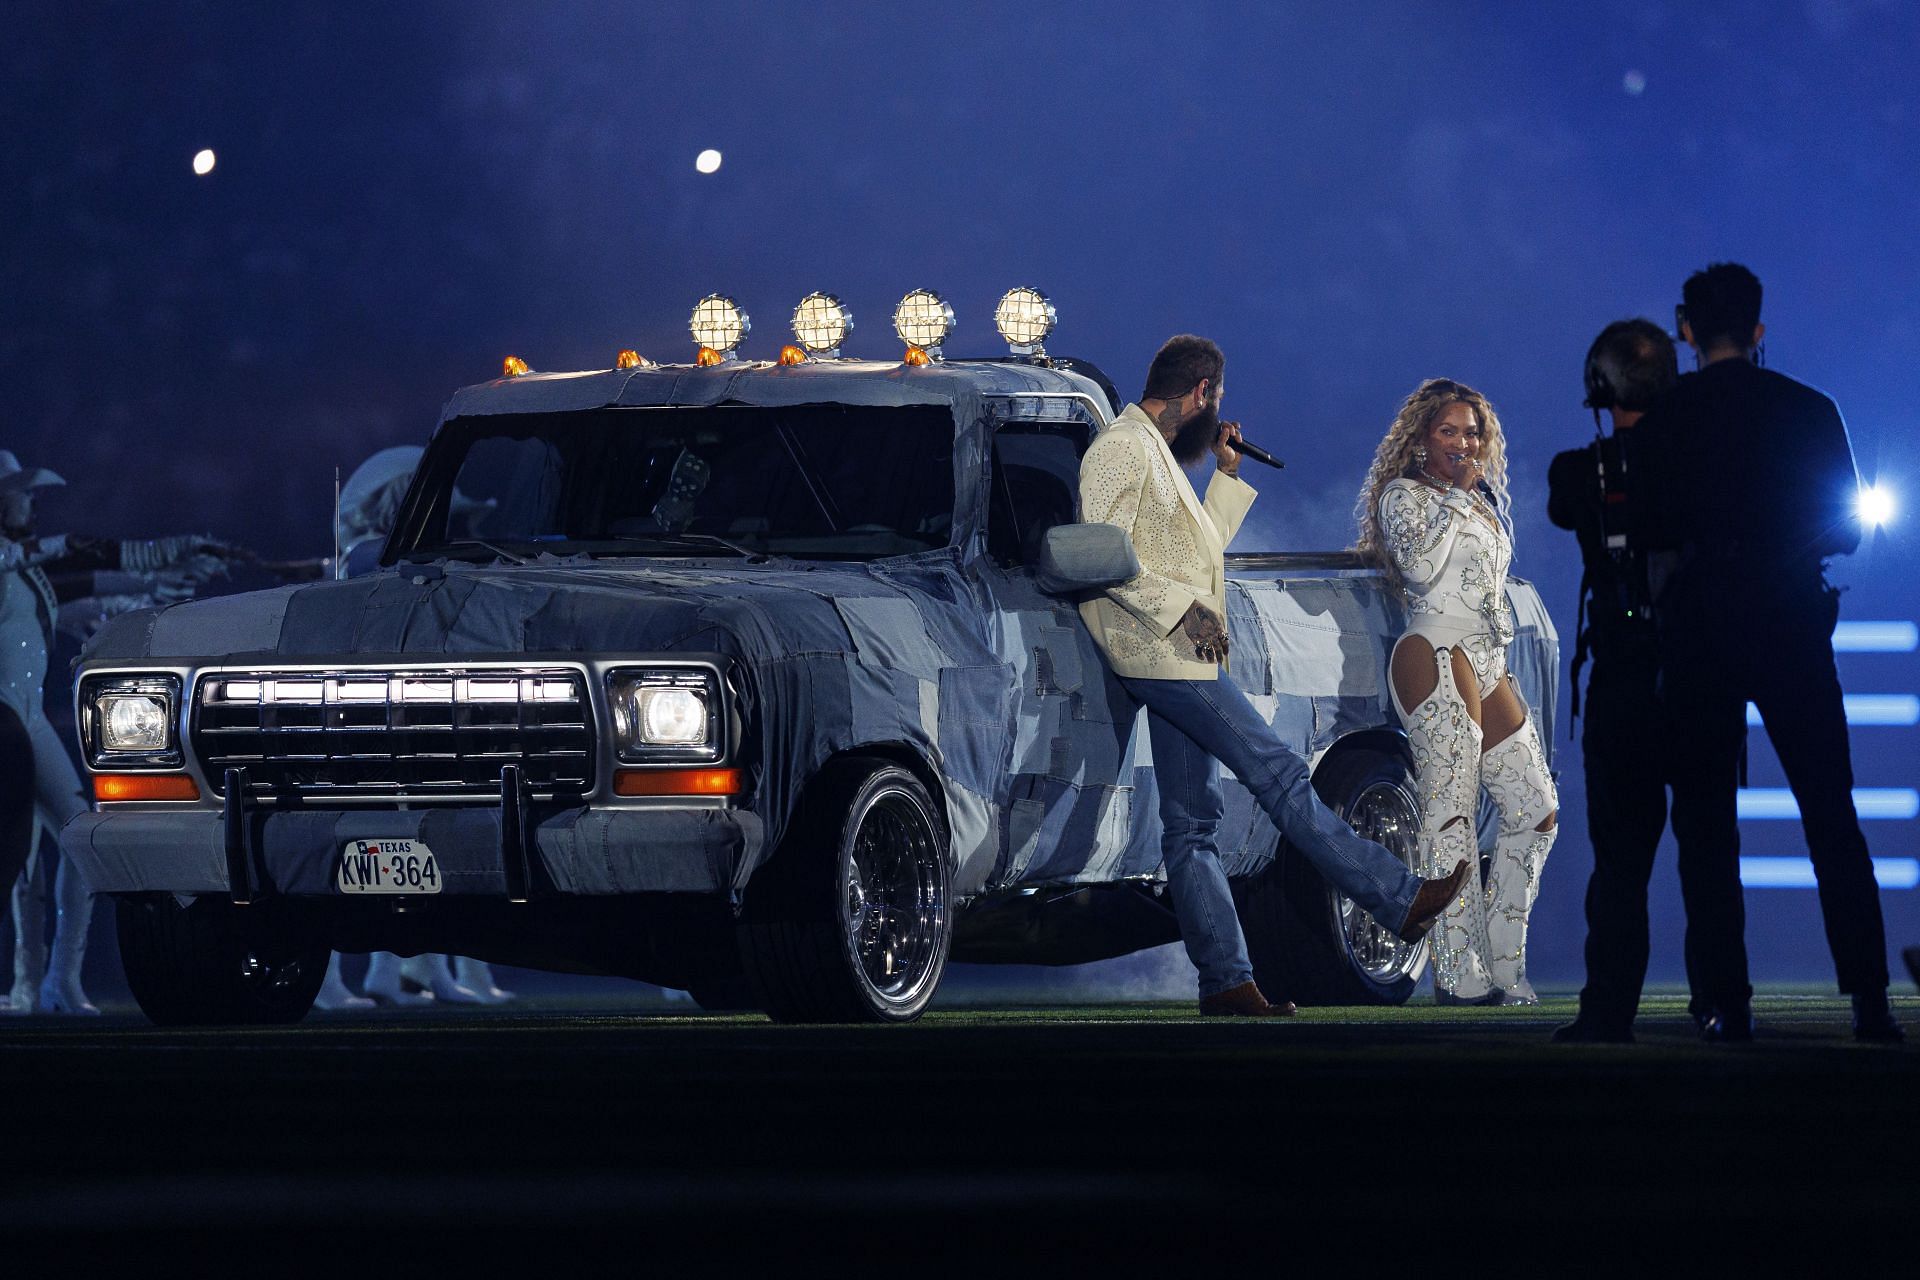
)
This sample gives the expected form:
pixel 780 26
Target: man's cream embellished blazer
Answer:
pixel 1129 479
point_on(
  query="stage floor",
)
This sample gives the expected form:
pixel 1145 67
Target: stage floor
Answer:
pixel 1132 1130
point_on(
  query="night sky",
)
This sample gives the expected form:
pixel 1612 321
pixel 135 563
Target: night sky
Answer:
pixel 1348 198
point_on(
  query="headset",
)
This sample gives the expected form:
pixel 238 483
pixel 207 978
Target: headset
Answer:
pixel 1599 389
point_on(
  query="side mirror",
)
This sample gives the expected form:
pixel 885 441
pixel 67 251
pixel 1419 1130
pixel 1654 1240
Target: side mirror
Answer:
pixel 1078 558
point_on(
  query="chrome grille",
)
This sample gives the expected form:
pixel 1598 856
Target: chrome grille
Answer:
pixel 377 732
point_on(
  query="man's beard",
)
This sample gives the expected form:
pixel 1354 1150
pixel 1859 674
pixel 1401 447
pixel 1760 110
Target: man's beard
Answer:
pixel 1197 435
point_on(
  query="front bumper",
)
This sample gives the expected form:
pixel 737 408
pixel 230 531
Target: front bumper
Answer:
pixel 580 851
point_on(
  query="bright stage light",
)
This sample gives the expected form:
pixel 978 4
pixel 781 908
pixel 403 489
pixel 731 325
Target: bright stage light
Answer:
pixel 1875 505
pixel 203 162
pixel 707 161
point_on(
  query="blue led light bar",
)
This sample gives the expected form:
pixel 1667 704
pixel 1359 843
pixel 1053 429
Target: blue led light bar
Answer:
pixel 1891 803
pixel 1797 873
pixel 1869 708
pixel 1876 637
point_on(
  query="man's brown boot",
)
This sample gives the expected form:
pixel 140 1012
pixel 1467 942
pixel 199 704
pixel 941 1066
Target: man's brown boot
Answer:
pixel 1432 899
pixel 1243 1001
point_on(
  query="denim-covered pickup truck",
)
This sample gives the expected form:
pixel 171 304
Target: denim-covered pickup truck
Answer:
pixel 737 677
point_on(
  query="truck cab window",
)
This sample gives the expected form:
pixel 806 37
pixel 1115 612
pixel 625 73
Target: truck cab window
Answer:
pixel 1036 485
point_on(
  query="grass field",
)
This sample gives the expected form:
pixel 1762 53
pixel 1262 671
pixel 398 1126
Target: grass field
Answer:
pixel 1136 1130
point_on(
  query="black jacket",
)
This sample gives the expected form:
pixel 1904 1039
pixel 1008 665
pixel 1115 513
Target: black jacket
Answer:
pixel 1751 469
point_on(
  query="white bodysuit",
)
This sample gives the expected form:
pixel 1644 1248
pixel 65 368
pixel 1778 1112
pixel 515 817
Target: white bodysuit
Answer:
pixel 1452 550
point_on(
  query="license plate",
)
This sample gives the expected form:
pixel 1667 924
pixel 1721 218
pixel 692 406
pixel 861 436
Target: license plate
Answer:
pixel 388 866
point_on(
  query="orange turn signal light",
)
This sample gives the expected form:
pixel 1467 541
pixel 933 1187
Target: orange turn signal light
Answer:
pixel 628 359
pixel 708 358
pixel 144 786
pixel 678 782
pixel 917 357
pixel 791 354
pixel 513 367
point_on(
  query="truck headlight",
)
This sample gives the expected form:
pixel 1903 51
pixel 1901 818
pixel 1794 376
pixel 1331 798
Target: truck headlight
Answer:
pixel 666 714
pixel 130 719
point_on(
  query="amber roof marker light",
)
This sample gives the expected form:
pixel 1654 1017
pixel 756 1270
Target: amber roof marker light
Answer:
pixel 631 359
pixel 513 367
pixel 719 325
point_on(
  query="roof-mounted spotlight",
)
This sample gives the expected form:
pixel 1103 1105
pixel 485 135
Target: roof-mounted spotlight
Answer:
pixel 822 322
pixel 923 320
pixel 718 325
pixel 513 367
pixel 1024 318
pixel 631 359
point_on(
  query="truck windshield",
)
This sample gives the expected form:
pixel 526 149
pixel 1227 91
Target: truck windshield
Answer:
pixel 837 482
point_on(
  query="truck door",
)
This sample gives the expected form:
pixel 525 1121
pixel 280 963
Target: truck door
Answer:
pixel 1079 741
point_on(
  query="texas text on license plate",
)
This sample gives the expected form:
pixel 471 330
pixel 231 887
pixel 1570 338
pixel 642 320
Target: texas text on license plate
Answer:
pixel 388 866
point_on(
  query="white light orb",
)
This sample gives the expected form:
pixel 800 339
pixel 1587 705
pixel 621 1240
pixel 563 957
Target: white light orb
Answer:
pixel 821 322
pixel 1634 82
pixel 707 161
pixel 923 319
pixel 1875 505
pixel 203 161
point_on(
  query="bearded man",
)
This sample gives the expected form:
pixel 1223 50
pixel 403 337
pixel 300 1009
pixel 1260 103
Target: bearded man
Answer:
pixel 1164 632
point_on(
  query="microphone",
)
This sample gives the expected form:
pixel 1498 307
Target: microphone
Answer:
pixel 1248 449
pixel 1258 454
pixel 1481 486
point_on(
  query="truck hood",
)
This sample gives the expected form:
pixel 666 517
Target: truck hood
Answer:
pixel 752 611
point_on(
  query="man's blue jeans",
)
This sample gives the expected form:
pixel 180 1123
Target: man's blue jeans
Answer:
pixel 1197 725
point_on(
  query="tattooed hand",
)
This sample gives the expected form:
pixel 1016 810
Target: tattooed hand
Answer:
pixel 1208 632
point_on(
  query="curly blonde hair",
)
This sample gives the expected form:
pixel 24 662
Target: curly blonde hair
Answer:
pixel 1394 459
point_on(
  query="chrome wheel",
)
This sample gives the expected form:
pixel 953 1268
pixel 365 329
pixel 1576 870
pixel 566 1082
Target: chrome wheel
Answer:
pixel 894 898
pixel 1386 813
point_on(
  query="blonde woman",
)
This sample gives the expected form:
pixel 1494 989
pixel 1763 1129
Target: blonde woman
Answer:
pixel 1433 517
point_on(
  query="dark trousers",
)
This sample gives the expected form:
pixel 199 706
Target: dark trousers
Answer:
pixel 16 798
pixel 1774 648
pixel 1626 813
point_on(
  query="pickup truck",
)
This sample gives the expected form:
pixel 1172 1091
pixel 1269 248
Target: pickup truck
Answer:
pixel 754 678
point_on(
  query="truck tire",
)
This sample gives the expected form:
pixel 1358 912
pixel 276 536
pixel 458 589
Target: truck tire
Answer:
pixel 850 919
pixel 193 965
pixel 1308 942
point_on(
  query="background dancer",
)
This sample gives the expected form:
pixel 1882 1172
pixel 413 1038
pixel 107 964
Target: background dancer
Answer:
pixel 1433 516
pixel 40 774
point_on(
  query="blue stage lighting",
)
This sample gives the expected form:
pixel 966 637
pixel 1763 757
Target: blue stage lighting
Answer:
pixel 1876 637
pixel 1797 873
pixel 1890 803
pixel 1869 708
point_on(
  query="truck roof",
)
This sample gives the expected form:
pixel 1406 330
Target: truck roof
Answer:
pixel 962 384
